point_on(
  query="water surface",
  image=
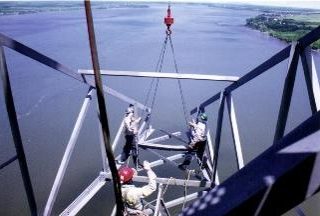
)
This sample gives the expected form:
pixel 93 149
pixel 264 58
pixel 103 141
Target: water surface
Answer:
pixel 207 40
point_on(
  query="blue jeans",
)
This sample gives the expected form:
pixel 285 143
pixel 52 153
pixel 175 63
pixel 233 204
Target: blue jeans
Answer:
pixel 198 151
pixel 130 145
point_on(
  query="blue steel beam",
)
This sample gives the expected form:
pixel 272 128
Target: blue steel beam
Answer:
pixel 311 79
pixel 37 56
pixel 265 66
pixel 293 165
pixel 15 131
pixel 218 137
pixel 8 162
pixel 287 92
pixel 274 60
pixel 309 38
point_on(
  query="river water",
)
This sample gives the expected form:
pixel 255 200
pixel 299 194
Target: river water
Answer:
pixel 207 40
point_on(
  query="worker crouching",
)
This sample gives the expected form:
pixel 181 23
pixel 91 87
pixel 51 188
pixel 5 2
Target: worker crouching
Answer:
pixel 133 196
pixel 198 141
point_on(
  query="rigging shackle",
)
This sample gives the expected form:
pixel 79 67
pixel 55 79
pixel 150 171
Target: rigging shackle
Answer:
pixel 168 20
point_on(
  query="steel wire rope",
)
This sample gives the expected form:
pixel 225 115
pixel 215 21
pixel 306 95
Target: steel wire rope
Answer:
pixel 163 193
pixel 160 69
pixel 186 189
pixel 156 69
pixel 183 101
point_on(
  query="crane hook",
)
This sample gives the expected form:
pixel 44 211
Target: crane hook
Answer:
pixel 168 20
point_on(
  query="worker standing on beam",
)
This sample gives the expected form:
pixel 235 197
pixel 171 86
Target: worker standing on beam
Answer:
pixel 198 141
pixel 131 123
pixel 132 196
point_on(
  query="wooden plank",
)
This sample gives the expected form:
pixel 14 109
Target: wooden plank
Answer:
pixel 163 75
pixel 163 147
pixel 291 172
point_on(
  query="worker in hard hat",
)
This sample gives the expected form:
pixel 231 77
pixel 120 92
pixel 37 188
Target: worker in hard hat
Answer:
pixel 131 124
pixel 198 140
pixel 131 195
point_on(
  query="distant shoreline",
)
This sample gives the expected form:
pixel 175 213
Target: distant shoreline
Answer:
pixel 22 8
pixel 286 24
pixel 31 7
pixel 286 27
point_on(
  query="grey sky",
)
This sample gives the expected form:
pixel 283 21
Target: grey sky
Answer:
pixel 288 3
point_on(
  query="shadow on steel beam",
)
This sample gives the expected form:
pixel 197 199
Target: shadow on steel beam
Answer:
pixel 293 173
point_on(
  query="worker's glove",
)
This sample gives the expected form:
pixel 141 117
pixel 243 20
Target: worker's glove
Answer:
pixel 146 165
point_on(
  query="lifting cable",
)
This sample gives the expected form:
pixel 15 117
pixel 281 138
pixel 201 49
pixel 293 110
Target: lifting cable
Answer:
pixel 168 21
pixel 159 70
pixel 156 70
pixel 184 105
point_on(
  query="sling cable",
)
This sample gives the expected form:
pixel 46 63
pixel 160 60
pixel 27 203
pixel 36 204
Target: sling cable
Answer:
pixel 168 21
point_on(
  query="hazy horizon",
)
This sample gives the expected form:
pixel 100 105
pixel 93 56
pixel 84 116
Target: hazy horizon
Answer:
pixel 314 4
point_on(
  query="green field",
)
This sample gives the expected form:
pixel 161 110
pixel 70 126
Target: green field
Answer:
pixel 286 27
pixel 307 17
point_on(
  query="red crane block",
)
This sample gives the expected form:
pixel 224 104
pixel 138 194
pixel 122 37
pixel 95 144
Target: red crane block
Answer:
pixel 168 20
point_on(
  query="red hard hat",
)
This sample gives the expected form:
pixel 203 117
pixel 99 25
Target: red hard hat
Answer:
pixel 125 174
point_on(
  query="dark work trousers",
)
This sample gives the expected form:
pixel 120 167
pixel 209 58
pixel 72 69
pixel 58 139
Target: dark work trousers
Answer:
pixel 131 145
pixel 198 150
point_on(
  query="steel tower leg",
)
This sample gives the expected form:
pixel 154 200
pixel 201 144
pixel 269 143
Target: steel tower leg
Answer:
pixel 16 133
pixel 311 78
pixel 67 154
pixel 287 92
